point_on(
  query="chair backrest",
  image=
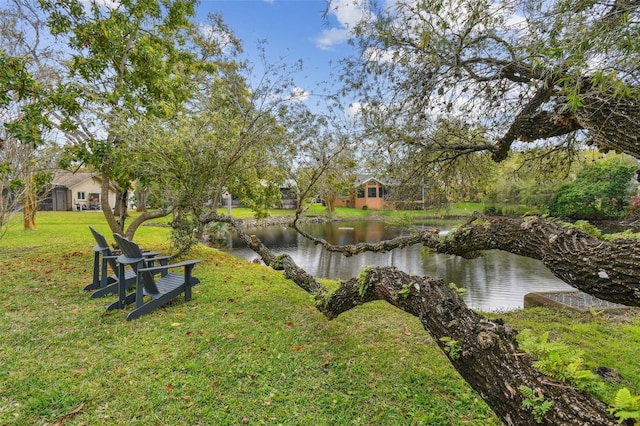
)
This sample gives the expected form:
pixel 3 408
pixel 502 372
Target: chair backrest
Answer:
pixel 103 246
pixel 133 253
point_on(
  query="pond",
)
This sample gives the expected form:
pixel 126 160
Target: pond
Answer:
pixel 496 281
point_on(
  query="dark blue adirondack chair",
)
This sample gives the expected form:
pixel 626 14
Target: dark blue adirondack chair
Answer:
pixel 104 258
pixel 159 290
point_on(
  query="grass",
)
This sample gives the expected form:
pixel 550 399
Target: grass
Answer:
pixel 249 348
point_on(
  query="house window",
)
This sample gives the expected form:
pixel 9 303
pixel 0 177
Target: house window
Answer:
pixel 360 192
pixel 82 195
pixel 380 192
pixel 371 192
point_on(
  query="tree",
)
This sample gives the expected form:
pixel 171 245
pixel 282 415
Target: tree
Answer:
pixel 426 61
pixel 324 154
pixel 130 60
pixel 230 137
pixel 30 93
pixel 562 73
pixel 601 190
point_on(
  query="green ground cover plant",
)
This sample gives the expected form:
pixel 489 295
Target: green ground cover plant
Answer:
pixel 249 348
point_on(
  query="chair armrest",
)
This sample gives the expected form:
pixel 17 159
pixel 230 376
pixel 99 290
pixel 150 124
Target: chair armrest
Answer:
pixel 129 260
pixel 156 258
pixel 173 265
pixel 152 254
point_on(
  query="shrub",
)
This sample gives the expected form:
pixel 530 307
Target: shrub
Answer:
pixel 601 190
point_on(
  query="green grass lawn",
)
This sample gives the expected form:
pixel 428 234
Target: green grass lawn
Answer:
pixel 249 348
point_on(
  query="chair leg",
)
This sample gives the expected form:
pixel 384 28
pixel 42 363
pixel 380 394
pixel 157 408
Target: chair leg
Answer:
pixel 96 273
pixel 153 304
pixel 121 304
pixel 111 288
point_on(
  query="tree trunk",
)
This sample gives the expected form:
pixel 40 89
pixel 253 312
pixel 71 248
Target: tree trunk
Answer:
pixel 29 207
pixel 131 230
pixel 106 206
pixel 141 198
pixel 484 352
pixel 611 122
pixel 120 209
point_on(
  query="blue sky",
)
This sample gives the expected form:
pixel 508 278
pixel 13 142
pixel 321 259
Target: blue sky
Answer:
pixel 293 29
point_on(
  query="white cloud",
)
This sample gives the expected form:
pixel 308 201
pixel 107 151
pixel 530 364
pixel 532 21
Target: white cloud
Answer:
pixel 348 13
pixel 354 110
pixel 373 54
pixel 329 38
pixel 299 94
pixel 109 4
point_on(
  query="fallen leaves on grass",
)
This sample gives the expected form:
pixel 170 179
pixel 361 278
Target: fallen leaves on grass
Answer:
pixel 70 414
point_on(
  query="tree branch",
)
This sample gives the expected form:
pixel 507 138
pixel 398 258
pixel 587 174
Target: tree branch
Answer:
pixel 484 352
pixel 597 267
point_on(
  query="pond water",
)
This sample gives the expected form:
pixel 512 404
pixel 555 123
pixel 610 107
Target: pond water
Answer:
pixel 496 281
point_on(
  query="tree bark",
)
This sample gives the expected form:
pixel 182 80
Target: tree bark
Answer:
pixel 133 227
pixel 611 122
pixel 141 198
pixel 484 352
pixel 607 270
pixel 106 206
pixel 29 207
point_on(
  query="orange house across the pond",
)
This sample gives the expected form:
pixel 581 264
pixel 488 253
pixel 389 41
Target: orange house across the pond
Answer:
pixel 369 192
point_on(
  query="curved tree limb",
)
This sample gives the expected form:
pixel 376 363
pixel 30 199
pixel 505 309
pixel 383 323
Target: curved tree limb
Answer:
pixel 597 267
pixel 484 352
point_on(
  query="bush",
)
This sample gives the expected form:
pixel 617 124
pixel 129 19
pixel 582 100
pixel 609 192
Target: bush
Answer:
pixel 601 190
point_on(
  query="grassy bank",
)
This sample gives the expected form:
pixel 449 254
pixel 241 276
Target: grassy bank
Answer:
pixel 249 348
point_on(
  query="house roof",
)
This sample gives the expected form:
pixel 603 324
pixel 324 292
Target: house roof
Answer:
pixel 70 180
pixel 366 178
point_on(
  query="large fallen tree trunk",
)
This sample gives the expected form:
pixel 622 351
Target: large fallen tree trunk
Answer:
pixel 605 269
pixel 484 352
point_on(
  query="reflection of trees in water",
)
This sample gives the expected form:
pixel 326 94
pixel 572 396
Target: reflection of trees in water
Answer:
pixel 498 280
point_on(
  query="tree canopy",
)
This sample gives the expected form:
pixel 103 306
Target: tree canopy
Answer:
pixel 129 60
pixel 523 73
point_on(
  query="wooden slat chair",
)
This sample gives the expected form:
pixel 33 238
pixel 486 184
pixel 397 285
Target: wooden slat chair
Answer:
pixel 160 291
pixel 105 257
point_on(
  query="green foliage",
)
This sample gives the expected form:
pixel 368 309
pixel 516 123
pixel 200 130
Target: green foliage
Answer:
pixel 534 402
pixel 406 289
pixel 460 290
pixel 185 233
pixel 363 279
pixel 529 179
pixel 451 347
pixel 31 101
pixel 626 406
pixel 402 219
pixel 277 262
pixel 558 360
pixel 601 190
pixel 585 226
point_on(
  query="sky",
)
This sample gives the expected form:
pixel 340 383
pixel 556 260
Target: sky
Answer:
pixel 293 30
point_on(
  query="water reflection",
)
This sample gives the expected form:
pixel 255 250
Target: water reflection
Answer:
pixel 496 281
